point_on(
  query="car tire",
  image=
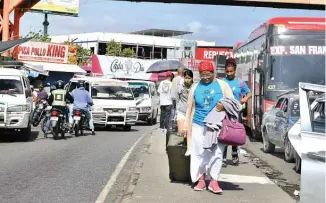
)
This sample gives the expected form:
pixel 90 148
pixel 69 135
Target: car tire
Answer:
pixel 26 133
pixel 256 135
pixel 151 120
pixel 268 147
pixel 155 119
pixel 127 127
pixel 289 155
pixel 297 166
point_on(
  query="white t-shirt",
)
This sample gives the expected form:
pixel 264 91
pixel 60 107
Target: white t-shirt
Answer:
pixel 165 92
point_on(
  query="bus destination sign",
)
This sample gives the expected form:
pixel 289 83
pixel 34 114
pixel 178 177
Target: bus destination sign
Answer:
pixel 298 50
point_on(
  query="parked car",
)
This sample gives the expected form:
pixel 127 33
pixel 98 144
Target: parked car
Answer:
pixel 311 150
pixel 148 101
pixel 277 121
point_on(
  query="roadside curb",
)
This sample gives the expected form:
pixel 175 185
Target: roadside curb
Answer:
pixel 136 172
pixel 128 176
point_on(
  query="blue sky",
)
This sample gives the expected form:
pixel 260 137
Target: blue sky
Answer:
pixel 225 25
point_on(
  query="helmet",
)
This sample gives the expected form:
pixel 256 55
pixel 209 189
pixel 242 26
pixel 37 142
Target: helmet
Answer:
pixel 60 84
pixel 80 83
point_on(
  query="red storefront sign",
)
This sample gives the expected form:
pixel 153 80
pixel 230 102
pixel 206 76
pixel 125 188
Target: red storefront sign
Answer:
pixel 208 53
pixel 43 52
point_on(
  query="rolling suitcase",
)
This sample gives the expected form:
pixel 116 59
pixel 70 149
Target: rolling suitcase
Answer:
pixel 179 164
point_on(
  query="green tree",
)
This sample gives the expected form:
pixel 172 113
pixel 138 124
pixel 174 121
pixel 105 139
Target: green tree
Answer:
pixel 128 52
pixel 114 48
pixel 83 54
pixel 38 36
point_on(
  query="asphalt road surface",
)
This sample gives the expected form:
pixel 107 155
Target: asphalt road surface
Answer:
pixel 281 172
pixel 72 170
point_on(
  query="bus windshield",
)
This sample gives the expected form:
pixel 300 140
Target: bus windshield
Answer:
pixel 294 59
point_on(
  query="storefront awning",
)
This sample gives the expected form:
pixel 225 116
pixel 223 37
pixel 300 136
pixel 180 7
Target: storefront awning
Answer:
pixel 56 67
pixel 35 70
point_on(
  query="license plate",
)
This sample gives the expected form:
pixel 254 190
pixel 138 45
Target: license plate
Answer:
pixel 77 118
pixel 54 118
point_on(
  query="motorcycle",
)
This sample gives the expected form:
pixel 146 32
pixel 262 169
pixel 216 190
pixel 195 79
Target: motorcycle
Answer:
pixel 58 123
pixel 80 122
pixel 46 119
pixel 39 112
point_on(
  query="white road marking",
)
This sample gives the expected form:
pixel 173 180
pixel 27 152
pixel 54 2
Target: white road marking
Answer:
pixel 101 198
pixel 245 179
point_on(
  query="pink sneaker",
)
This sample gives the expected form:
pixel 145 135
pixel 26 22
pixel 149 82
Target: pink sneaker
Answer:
pixel 201 185
pixel 214 187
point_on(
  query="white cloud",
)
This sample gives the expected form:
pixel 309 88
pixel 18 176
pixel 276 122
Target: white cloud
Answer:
pixel 194 27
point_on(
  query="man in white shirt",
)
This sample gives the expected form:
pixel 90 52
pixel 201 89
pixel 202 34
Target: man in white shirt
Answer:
pixel 165 101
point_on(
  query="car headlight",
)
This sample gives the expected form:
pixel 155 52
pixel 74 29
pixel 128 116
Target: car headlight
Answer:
pixel 19 108
pixel 132 109
pixel 145 109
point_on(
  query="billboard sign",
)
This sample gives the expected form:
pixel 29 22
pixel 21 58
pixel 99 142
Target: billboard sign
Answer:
pixel 208 53
pixel 47 52
pixel 60 7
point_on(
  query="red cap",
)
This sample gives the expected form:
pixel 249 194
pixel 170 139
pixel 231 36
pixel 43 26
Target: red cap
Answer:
pixel 206 66
pixel 168 73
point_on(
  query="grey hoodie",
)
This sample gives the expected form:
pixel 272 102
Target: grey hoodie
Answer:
pixel 182 98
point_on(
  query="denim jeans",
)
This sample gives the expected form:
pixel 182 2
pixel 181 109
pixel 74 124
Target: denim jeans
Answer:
pixel 165 116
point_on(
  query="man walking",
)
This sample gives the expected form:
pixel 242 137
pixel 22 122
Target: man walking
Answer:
pixel 165 101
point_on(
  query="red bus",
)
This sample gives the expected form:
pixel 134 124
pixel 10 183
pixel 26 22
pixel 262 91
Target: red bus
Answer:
pixel 278 55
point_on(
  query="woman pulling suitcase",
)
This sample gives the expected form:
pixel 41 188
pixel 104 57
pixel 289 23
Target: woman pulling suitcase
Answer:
pixel 203 98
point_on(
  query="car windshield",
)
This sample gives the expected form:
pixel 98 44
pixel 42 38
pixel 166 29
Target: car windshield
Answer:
pixel 141 88
pixel 11 85
pixel 113 91
pixel 296 58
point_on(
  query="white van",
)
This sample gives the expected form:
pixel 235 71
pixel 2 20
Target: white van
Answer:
pixel 114 102
pixel 148 101
pixel 16 102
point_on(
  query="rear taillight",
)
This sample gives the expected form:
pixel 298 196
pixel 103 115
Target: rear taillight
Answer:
pixel 54 113
pixel 77 113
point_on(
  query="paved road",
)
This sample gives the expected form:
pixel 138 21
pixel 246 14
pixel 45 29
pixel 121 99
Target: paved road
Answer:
pixel 72 170
pixel 283 172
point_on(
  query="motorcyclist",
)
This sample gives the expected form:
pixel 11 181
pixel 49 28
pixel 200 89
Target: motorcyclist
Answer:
pixel 42 94
pixel 58 99
pixel 82 100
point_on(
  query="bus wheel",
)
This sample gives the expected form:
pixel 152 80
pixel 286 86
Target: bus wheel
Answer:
pixel 256 135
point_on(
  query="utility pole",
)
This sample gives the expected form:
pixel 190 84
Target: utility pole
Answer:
pixel 45 24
